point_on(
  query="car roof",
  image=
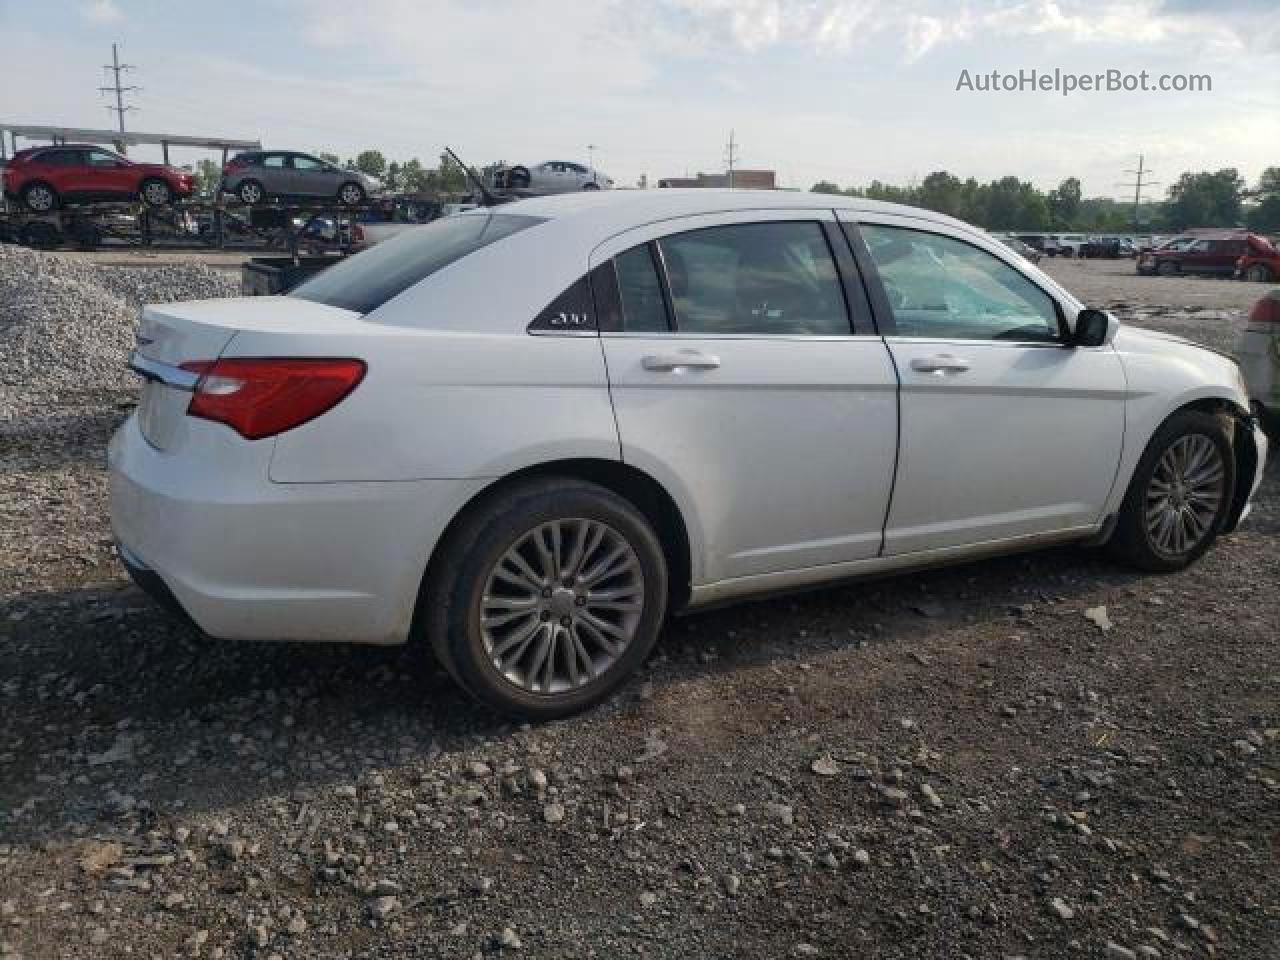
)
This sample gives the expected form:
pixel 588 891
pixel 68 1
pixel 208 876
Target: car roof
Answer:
pixel 622 209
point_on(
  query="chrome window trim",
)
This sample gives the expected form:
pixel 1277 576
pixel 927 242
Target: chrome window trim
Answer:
pixel 675 335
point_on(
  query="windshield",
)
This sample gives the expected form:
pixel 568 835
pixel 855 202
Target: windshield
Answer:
pixel 367 280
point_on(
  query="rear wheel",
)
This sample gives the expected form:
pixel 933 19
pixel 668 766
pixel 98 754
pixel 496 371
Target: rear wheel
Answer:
pixel 1179 496
pixel 351 194
pixel 155 193
pixel 39 197
pixel 547 597
pixel 1259 273
pixel 1167 268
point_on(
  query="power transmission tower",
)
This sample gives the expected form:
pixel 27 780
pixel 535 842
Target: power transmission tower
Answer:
pixel 116 67
pixel 1137 185
pixel 731 157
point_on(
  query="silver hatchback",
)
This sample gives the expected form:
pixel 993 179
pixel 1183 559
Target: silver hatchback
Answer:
pixel 261 176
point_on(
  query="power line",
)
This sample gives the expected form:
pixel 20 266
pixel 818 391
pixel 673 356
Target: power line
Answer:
pixel 1137 185
pixel 116 67
pixel 731 157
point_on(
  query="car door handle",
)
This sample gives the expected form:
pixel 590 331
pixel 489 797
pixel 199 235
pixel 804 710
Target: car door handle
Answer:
pixel 940 363
pixel 684 360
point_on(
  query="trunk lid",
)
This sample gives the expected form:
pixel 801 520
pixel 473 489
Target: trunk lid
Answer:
pixel 172 334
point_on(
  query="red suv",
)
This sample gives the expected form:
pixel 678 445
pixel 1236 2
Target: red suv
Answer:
pixel 1261 263
pixel 1211 253
pixel 44 177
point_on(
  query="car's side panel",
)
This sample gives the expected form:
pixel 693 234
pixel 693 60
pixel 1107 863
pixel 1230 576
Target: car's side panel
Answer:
pixel 446 406
pixel 784 452
pixel 1000 439
pixel 1163 375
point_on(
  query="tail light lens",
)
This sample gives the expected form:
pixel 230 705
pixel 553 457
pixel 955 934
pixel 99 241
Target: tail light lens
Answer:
pixel 263 396
pixel 357 233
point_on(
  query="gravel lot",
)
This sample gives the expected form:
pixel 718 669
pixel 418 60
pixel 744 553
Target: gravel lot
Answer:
pixel 947 765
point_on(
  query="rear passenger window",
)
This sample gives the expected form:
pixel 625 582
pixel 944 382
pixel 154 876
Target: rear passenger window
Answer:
pixel 274 162
pixel 755 278
pixel 640 290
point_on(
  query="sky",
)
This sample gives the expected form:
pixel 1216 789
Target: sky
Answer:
pixel 843 90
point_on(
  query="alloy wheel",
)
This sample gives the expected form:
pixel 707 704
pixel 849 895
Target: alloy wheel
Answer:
pixel 156 194
pixel 351 194
pixel 250 193
pixel 1184 495
pixel 40 198
pixel 561 605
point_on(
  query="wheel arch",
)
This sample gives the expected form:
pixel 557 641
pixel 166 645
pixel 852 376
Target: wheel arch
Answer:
pixel 1242 445
pixel 635 486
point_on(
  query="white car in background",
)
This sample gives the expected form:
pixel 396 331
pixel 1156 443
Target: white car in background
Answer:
pixel 524 435
pixel 553 176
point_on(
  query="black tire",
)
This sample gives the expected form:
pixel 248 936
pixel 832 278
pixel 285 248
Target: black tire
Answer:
pixel 1270 420
pixel 1259 273
pixel 518 178
pixel 251 192
pixel 473 550
pixel 351 194
pixel 1167 268
pixel 154 192
pixel 39 197
pixel 1133 542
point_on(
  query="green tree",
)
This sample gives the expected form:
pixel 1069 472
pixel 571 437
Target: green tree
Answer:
pixel 825 186
pixel 413 178
pixel 1206 199
pixel 372 162
pixel 205 177
pixel 330 158
pixel 394 176
pixel 942 192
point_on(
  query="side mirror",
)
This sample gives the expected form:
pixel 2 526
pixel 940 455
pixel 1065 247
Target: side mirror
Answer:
pixel 1093 328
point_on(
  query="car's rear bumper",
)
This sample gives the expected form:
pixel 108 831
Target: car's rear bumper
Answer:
pixel 246 558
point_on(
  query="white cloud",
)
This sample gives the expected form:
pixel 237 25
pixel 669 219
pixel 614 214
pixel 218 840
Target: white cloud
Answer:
pixel 101 11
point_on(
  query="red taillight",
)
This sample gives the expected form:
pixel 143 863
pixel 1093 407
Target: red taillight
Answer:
pixel 357 233
pixel 262 396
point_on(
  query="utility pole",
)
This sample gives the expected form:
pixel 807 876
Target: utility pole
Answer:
pixel 116 67
pixel 731 157
pixel 1137 185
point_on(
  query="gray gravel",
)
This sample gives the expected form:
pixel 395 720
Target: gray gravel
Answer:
pixel 67 325
pixel 834 775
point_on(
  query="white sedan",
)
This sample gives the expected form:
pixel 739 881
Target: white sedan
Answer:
pixel 553 176
pixel 525 435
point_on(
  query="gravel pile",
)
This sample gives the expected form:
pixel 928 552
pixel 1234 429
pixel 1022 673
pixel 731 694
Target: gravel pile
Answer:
pixel 66 325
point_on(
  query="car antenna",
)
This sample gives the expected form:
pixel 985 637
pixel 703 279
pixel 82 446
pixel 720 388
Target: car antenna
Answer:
pixel 489 199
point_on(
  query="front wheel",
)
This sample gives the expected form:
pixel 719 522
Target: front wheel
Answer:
pixel 1258 273
pixel 251 192
pixel 547 598
pixel 1167 268
pixel 1179 496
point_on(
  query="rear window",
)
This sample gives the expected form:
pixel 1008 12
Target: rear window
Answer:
pixel 367 280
